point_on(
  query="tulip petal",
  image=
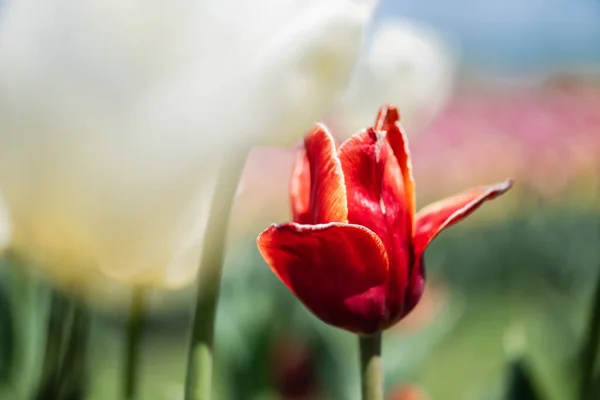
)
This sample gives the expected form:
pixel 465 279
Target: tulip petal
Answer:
pixel 327 202
pixel 388 120
pixel 415 288
pixel 300 189
pixel 376 200
pixel 374 187
pixel 338 271
pixel 434 218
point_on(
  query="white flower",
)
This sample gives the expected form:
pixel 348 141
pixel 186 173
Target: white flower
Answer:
pixel 5 225
pixel 115 113
pixel 407 64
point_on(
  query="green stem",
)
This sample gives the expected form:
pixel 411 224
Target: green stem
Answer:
pixel 135 326
pixel 371 373
pixel 64 370
pixel 590 349
pixel 55 331
pixel 201 351
pixel 74 369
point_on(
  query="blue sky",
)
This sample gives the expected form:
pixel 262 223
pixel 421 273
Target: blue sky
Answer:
pixel 511 34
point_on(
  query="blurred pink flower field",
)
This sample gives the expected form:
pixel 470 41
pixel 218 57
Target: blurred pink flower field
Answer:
pixel 546 135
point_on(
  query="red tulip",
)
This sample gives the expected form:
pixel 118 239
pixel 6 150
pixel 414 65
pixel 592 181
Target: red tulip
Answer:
pixel 354 253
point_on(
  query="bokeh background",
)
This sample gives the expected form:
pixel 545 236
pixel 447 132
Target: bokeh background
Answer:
pixel 488 90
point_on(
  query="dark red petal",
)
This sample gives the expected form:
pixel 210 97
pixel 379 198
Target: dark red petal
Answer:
pixel 388 120
pixel 338 271
pixel 376 200
pixel 416 286
pixel 436 217
pixel 300 189
pixel 414 291
pixel 327 189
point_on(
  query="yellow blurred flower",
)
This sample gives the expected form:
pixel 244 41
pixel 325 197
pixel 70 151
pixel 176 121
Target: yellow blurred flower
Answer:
pixel 116 114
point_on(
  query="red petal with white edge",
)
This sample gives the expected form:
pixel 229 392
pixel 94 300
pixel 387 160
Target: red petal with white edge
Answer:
pixel 300 189
pixel 376 200
pixel 438 216
pixel 388 120
pixel 338 271
pixel 327 201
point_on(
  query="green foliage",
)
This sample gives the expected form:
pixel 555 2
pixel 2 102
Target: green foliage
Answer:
pixel 516 303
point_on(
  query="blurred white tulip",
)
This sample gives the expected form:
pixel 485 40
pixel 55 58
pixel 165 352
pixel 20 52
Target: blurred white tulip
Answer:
pixel 5 225
pixel 116 114
pixel 406 64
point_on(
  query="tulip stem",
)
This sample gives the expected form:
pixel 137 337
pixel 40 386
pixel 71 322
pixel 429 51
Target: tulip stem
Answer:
pixel 54 333
pixel 371 373
pixel 135 325
pixel 64 370
pixel 590 349
pixel 74 369
pixel 201 352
